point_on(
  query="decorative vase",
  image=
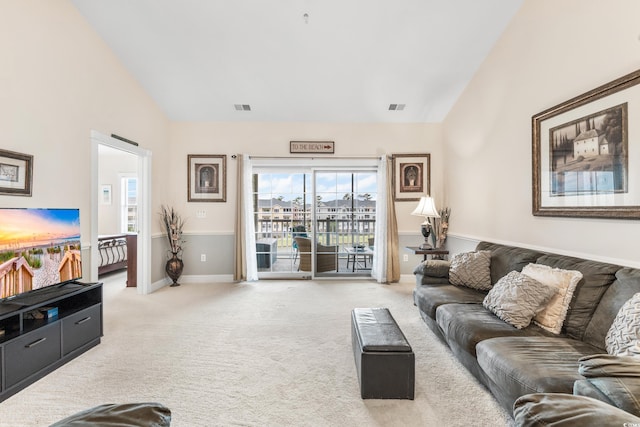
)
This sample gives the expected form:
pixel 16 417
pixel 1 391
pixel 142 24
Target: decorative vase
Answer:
pixel 174 268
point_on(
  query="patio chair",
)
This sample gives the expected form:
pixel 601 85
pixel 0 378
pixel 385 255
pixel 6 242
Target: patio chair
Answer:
pixel 326 256
pixel 297 231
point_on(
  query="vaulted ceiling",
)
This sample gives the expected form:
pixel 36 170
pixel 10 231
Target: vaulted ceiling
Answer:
pixel 301 60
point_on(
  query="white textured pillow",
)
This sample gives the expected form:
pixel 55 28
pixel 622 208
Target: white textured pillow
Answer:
pixel 516 298
pixel 552 316
pixel 471 269
pixel 624 333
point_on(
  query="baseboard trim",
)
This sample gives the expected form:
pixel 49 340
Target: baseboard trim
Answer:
pixel 206 278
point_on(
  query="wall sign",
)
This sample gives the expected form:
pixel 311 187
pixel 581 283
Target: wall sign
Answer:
pixel 315 147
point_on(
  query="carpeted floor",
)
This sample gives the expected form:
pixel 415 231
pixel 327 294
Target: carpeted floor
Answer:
pixel 271 353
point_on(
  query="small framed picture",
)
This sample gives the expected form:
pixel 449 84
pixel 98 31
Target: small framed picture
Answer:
pixel 207 180
pixel 411 176
pixel 16 173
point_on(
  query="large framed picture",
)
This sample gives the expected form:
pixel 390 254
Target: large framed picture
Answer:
pixel 586 155
pixel 207 176
pixel 16 173
pixel 411 176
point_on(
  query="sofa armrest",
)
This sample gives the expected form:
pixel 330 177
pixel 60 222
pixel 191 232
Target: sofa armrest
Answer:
pixel 433 268
pixel 567 410
pixel 432 272
pixel 612 379
pixel 605 365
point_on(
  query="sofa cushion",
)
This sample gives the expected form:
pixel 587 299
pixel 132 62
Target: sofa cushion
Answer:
pixel 507 258
pixel 471 269
pixel 567 410
pixel 122 415
pixel 429 298
pixel 516 298
pixel 597 277
pixel 621 392
pixel 535 364
pixel 584 387
pixel 552 316
pixel 468 324
pixel 627 283
pixel 624 333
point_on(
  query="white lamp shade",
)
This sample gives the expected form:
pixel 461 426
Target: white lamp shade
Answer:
pixel 426 208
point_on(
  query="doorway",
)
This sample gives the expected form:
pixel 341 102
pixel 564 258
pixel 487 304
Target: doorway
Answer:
pixel 141 208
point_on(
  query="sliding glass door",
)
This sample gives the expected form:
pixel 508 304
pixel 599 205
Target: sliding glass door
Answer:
pixel 345 217
pixel 314 222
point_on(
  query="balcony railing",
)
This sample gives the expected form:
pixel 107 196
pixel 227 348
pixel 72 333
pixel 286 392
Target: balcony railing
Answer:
pixel 339 232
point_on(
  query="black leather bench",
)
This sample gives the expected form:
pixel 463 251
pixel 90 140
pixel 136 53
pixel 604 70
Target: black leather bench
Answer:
pixel 384 359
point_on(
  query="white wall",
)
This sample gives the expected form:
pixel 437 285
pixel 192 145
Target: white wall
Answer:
pixel 272 139
pixel 59 81
pixel 551 51
pixel 114 164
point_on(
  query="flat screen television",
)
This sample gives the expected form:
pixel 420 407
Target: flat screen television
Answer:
pixel 39 248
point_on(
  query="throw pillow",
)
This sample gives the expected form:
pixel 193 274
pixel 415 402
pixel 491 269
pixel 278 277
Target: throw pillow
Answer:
pixel 624 333
pixel 516 298
pixel 552 316
pixel 471 269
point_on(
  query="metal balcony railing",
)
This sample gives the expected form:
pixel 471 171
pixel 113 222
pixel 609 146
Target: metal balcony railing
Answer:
pixel 338 232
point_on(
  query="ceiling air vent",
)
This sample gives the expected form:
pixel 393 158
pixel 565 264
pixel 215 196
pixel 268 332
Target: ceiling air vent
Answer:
pixel 396 107
pixel 242 107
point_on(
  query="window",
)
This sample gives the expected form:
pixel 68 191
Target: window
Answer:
pixel 129 205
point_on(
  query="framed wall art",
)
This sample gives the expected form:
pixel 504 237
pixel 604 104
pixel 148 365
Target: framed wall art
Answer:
pixel 585 158
pixel 207 177
pixel 16 173
pixel 411 176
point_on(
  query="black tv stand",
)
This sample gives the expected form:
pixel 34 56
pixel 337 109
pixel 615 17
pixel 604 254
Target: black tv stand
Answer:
pixel 32 344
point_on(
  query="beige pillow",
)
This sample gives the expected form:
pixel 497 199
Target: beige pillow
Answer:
pixel 552 316
pixel 516 298
pixel 624 334
pixel 471 269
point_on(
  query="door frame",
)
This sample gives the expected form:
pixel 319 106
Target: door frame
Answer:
pixel 144 207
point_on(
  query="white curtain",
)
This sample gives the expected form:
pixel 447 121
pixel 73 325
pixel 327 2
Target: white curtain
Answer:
pixel 246 267
pixel 379 268
pixel 249 218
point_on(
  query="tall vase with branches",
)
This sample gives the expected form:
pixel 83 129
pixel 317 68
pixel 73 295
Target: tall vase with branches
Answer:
pixel 173 224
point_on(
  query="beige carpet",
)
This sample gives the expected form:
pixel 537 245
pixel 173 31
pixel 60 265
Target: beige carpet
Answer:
pixel 272 353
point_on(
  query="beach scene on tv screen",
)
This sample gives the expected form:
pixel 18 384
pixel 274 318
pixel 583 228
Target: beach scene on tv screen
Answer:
pixel 38 248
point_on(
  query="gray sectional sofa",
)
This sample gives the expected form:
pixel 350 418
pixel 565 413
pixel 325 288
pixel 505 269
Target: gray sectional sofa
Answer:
pixel 512 362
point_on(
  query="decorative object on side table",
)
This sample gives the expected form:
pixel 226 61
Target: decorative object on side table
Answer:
pixel 173 224
pixel 426 208
pixel 441 227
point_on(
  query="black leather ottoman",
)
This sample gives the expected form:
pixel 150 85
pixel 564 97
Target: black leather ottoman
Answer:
pixel 384 359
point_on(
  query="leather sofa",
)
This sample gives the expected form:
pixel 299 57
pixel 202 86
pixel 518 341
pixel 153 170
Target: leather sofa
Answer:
pixel 514 362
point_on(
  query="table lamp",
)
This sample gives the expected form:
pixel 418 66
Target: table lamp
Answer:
pixel 427 209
